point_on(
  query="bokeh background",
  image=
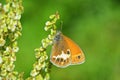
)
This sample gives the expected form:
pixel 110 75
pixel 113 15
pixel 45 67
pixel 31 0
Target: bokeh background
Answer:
pixel 93 24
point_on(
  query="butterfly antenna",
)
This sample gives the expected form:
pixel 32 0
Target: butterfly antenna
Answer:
pixel 61 24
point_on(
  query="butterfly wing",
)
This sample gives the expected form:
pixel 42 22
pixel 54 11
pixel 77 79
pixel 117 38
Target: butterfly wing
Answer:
pixel 60 55
pixel 77 54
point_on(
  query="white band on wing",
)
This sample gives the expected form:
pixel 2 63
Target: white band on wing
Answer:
pixel 63 55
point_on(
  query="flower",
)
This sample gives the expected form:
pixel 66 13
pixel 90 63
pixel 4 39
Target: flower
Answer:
pixel 2 42
pixel 1 61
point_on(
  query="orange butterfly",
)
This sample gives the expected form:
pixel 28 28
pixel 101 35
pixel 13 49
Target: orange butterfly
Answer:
pixel 65 52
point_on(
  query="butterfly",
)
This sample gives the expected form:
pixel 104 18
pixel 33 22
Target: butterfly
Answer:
pixel 65 52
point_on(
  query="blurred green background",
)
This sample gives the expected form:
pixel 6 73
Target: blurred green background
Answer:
pixel 93 24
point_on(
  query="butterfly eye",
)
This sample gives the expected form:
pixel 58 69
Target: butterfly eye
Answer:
pixel 57 37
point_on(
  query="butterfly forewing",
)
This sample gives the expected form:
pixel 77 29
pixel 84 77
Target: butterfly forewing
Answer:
pixel 77 55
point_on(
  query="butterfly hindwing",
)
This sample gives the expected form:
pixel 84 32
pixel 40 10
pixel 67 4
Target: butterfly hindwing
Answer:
pixel 60 55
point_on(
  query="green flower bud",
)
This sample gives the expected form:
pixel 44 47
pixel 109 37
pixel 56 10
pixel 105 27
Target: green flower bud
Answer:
pixel 2 42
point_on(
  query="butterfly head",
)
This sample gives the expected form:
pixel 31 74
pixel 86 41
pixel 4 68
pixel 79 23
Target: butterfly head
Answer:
pixel 58 36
